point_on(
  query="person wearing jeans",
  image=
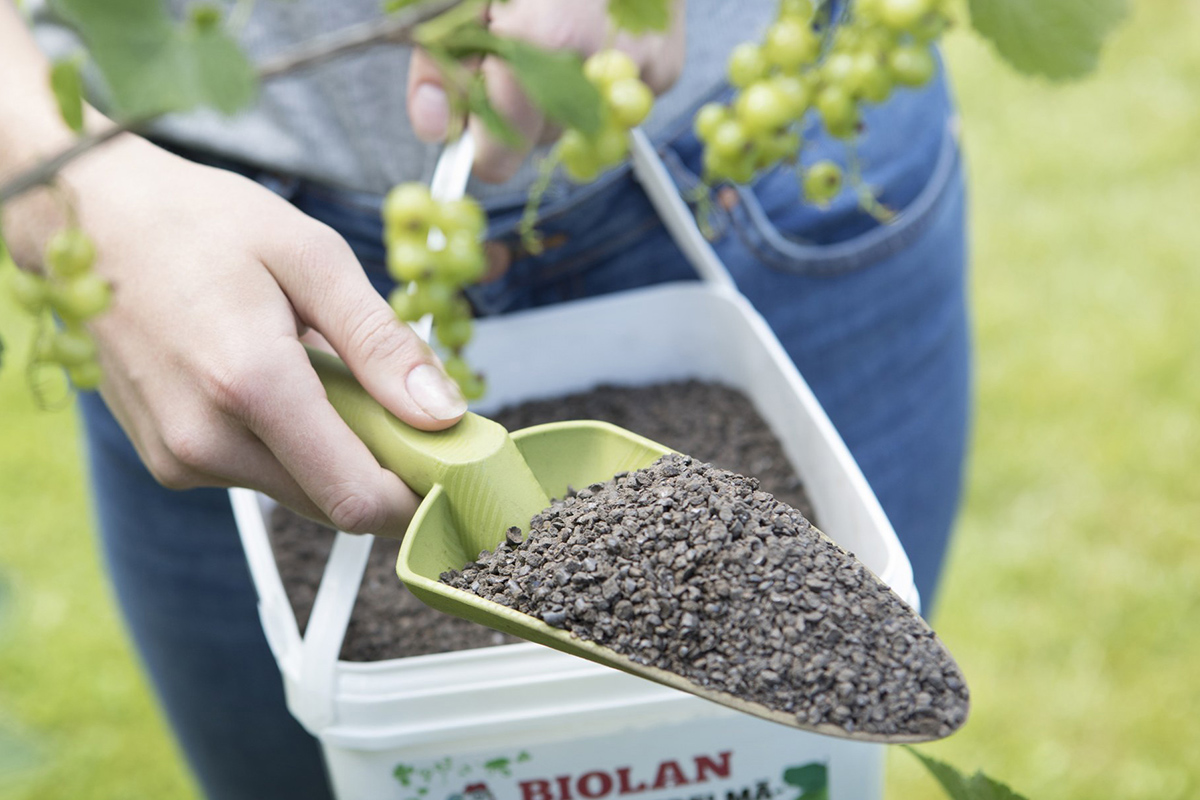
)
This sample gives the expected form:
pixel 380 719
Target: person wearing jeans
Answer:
pixel 229 240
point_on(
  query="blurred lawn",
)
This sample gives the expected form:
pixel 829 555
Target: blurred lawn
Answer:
pixel 1074 584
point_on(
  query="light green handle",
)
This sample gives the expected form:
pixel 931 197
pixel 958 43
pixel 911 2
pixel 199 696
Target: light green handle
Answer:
pixel 488 483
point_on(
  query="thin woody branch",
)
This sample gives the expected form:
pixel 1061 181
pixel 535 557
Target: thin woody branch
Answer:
pixel 391 30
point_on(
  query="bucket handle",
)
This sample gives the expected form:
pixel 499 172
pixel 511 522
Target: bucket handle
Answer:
pixel 313 701
pixel 676 217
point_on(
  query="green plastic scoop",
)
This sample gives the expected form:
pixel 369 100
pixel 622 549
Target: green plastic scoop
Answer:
pixel 478 481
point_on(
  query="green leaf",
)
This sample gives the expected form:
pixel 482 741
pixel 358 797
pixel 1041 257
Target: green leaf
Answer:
pixel 985 788
pixel 640 16
pixel 553 79
pixel 1058 39
pixel 493 120
pixel 152 65
pixel 555 82
pixel 958 787
pixel 204 16
pixel 391 6
pixel 223 78
pixel 950 778
pixel 66 82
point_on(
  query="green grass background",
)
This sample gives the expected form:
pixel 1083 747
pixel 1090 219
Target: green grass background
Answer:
pixel 1073 591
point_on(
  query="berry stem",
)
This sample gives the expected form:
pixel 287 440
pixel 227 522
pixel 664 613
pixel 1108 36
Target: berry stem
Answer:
pixel 531 240
pixel 867 199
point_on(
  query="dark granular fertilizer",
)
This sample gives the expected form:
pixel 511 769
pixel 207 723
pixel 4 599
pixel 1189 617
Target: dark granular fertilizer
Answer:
pixel 695 570
pixel 711 422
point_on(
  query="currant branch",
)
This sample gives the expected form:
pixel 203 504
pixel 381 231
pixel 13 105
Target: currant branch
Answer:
pixel 398 29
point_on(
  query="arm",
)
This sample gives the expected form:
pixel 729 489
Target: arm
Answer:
pixel 216 279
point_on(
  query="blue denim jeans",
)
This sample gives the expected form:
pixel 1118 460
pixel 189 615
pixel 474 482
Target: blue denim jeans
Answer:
pixel 873 316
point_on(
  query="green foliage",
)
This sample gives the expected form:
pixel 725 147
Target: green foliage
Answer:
pixel 392 6
pixel 221 75
pixel 959 786
pixel 553 79
pixel 1058 39
pixel 555 82
pixel 66 82
pixel 497 125
pixel 640 16
pixel 204 16
pixel 152 65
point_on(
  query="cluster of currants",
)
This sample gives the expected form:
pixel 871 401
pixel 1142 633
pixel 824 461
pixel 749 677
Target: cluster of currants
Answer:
pixel 75 293
pixel 627 101
pixel 881 45
pixel 434 249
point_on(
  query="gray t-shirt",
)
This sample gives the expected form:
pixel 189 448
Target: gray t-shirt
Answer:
pixel 344 122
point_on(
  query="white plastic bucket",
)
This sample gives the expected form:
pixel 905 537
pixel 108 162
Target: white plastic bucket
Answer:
pixel 522 722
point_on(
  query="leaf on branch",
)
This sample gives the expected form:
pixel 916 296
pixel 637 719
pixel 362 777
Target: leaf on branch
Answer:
pixel 1057 39
pixel 958 787
pixel 553 79
pixel 493 120
pixel 640 16
pixel 223 78
pixel 66 82
pixel 555 82
pixel 152 65
pixel 392 6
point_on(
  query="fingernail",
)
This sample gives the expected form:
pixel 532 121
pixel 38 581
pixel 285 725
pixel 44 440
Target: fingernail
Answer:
pixel 430 112
pixel 434 391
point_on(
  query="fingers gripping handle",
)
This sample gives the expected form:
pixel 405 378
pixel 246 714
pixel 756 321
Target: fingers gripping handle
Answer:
pixel 334 603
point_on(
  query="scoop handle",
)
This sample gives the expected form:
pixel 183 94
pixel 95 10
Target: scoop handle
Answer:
pixel 420 458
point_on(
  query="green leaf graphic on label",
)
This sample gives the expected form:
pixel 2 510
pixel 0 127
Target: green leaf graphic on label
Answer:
pixel 419 778
pixel 1059 39
pixel 403 773
pixel 811 779
pixel 499 765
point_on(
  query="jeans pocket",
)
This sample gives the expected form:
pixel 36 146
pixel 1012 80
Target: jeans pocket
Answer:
pixel 787 251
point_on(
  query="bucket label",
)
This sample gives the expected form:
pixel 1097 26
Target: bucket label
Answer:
pixel 660 767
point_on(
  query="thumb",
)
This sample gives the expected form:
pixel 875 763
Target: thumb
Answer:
pixel 331 294
pixel 428 105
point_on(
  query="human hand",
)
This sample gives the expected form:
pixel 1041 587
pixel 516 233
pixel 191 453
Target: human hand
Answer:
pixel 582 26
pixel 216 280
